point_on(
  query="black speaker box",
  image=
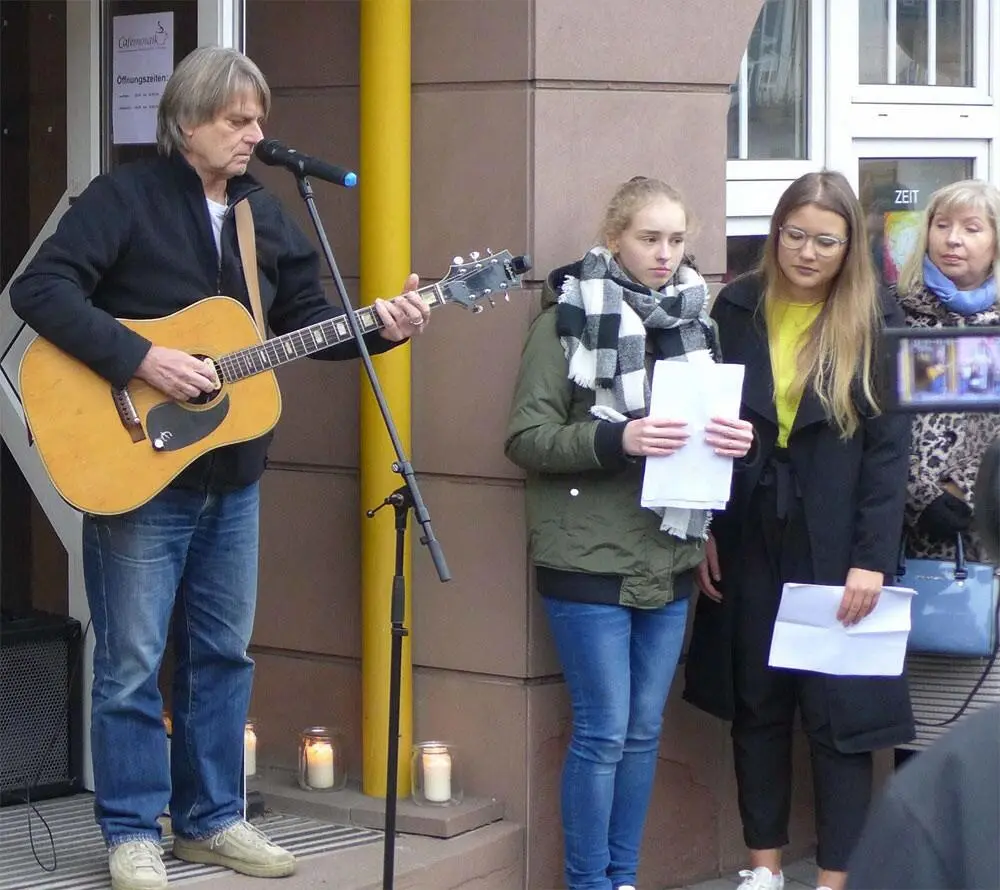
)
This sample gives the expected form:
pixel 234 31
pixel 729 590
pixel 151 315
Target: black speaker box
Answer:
pixel 40 707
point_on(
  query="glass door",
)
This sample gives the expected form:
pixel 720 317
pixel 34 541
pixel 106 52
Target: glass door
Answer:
pixel 895 179
pixel 59 55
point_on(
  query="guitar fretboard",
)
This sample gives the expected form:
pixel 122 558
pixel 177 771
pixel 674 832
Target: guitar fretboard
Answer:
pixel 305 341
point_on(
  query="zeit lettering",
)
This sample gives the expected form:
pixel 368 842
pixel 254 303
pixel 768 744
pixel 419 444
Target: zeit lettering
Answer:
pixel 907 196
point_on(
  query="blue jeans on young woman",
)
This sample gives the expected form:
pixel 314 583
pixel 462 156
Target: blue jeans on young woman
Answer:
pixel 618 663
pixel 191 556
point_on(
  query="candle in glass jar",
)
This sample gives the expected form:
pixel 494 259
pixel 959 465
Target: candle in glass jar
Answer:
pixel 319 764
pixel 437 775
pixel 249 751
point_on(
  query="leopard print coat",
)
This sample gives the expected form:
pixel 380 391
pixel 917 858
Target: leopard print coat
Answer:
pixel 946 447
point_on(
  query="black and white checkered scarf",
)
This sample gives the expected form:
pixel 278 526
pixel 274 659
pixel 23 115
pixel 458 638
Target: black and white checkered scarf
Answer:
pixel 603 321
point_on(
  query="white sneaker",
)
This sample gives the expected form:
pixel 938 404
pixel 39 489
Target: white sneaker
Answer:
pixel 137 865
pixel 625 887
pixel 761 879
pixel 241 847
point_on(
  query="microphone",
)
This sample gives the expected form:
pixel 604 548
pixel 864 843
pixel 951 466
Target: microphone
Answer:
pixel 275 154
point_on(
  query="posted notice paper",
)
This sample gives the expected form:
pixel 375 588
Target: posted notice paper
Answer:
pixel 142 62
pixel 808 636
pixel 694 391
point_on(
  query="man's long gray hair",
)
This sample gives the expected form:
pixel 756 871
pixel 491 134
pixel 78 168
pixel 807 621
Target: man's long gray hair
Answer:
pixel 204 83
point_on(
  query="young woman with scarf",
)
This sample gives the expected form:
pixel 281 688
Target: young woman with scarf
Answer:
pixel 614 577
pixel 819 501
pixel 950 280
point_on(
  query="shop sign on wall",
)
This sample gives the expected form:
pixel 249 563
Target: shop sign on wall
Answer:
pixel 143 53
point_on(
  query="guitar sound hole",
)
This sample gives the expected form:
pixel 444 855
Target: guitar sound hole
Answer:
pixel 206 398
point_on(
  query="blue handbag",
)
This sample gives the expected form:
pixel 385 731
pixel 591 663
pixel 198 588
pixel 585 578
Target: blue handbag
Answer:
pixel 955 609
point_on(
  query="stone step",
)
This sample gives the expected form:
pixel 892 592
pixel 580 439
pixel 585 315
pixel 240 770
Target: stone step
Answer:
pixel 487 858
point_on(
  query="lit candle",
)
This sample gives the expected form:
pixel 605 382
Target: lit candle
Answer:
pixel 437 775
pixel 319 764
pixel 249 751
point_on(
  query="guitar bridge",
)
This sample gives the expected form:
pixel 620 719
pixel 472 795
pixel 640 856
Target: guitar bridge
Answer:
pixel 127 414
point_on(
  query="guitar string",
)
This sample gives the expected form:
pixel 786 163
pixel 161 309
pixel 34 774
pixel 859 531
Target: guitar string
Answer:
pixel 246 362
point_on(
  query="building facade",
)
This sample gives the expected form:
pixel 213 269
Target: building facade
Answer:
pixel 525 116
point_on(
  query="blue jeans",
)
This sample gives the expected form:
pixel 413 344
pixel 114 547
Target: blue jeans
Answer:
pixel 618 663
pixel 192 556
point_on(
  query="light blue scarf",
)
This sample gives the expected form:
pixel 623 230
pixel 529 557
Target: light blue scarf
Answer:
pixel 963 302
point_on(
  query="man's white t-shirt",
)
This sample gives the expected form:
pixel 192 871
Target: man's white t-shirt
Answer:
pixel 218 213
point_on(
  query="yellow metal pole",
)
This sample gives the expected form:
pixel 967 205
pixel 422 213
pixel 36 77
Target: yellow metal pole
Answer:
pixel 384 193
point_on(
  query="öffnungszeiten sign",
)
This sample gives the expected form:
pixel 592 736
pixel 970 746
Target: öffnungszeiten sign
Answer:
pixel 143 60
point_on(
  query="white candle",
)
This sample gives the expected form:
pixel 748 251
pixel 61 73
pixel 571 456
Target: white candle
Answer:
pixel 249 752
pixel 437 775
pixel 319 764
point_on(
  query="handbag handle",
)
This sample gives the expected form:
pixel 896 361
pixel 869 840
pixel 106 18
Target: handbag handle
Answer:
pixel 961 572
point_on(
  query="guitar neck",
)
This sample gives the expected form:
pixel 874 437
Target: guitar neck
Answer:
pixel 308 340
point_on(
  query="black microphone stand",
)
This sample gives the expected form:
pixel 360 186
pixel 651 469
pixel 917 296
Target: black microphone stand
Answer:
pixel 402 500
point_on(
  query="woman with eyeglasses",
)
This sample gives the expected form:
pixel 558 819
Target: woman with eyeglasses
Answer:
pixel 819 499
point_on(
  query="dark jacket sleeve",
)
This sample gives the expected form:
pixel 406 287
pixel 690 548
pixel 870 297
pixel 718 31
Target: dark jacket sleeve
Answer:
pixel 898 852
pixel 300 299
pixel 882 483
pixel 937 823
pixel 53 293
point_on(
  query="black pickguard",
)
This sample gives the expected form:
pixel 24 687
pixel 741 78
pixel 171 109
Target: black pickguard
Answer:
pixel 171 426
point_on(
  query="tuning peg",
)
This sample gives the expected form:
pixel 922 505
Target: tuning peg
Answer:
pixel 458 261
pixel 477 309
pixel 474 255
pixel 489 252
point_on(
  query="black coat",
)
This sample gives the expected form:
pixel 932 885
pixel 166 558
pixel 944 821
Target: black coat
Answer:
pixel 853 493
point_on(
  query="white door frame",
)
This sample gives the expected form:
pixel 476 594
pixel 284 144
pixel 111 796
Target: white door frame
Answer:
pixel 922 120
pixel 976 150
pixel 220 22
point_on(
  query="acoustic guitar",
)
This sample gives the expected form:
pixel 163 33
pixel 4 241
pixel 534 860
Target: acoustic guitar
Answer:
pixel 110 450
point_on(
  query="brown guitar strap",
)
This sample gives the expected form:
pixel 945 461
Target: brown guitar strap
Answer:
pixel 247 239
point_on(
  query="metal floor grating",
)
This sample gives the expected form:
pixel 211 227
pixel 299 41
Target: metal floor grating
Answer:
pixel 82 860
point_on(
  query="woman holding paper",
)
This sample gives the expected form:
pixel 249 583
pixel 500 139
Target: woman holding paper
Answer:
pixel 614 577
pixel 820 500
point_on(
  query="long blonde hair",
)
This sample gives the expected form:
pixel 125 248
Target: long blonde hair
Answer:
pixel 846 330
pixel 969 194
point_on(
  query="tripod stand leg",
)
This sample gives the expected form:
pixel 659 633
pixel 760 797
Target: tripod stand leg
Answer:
pixel 401 503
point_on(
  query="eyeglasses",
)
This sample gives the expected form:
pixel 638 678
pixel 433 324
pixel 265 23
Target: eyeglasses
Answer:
pixel 795 239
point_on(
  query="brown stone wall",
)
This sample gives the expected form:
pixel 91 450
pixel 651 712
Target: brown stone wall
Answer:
pixel 526 114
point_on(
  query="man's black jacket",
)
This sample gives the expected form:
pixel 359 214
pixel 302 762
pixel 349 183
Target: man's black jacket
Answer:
pixel 138 244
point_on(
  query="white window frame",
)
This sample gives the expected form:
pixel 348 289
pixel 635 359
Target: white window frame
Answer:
pixel 737 169
pixel 976 150
pixel 982 92
pixel 846 122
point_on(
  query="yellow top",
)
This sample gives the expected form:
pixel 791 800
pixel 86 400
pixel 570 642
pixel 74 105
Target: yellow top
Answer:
pixel 787 324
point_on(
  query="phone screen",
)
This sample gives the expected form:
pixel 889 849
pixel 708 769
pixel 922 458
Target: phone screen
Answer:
pixel 952 369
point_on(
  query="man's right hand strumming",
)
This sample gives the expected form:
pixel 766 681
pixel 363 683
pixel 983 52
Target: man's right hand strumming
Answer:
pixel 177 374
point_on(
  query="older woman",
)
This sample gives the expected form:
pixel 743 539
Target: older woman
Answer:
pixel 950 281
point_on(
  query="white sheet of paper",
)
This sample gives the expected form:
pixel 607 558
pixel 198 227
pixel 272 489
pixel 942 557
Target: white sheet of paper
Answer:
pixel 695 392
pixel 808 636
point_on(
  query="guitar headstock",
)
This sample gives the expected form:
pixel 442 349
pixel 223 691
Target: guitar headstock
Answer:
pixel 483 278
